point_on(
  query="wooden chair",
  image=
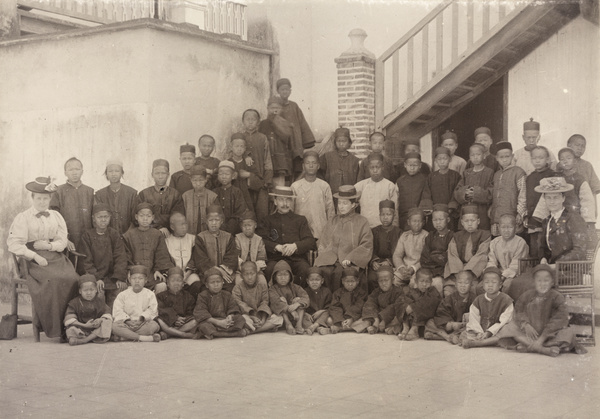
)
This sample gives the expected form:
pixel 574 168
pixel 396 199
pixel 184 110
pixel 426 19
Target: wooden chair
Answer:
pixel 19 286
pixel 575 279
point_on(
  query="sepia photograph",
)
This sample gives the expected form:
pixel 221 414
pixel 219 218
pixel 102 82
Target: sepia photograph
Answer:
pixel 299 208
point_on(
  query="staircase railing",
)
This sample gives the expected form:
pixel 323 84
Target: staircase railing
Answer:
pixel 433 48
pixel 218 16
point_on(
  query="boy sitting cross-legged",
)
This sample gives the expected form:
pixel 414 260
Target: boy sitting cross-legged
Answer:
pixel 317 312
pixel 288 299
pixel 421 304
pixel 452 314
pixel 87 318
pixel 135 309
pixel 488 314
pixel 176 308
pixel 379 311
pixel 252 297
pixel 541 319
pixel 346 304
pixel 216 312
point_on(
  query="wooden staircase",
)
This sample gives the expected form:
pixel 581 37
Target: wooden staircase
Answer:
pixel 455 53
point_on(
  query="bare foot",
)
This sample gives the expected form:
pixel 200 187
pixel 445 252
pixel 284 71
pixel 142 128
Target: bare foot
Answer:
pixel 324 330
pixel 156 337
pixel 372 330
pixel 334 329
pixel 290 330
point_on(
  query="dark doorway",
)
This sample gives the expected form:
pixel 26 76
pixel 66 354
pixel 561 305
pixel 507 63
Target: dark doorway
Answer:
pixel 487 109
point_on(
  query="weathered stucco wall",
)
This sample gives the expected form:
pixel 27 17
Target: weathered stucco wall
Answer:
pixel 558 85
pixel 136 92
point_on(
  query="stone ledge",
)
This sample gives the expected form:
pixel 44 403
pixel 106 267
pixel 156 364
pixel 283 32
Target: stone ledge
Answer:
pixel 160 25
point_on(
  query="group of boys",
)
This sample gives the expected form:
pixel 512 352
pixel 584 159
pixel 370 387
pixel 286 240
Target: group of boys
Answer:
pixel 208 255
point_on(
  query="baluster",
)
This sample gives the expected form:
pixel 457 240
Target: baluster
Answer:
pixel 454 32
pixel 502 10
pixel 439 42
pixel 425 57
pixel 470 25
pixel 410 67
pixel 395 79
pixel 486 18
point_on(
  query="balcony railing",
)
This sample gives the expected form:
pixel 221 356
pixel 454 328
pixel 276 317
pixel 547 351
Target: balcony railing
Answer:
pixel 217 16
pixel 433 48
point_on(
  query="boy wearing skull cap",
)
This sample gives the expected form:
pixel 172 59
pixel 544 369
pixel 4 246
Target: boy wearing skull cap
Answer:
pixel 302 136
pixel 411 146
pixel 340 167
pixel 196 200
pixel 279 133
pixel 164 199
pixel 531 137
pixel 180 180
pixel 106 258
pixel 229 197
pixel 119 197
pixel 87 318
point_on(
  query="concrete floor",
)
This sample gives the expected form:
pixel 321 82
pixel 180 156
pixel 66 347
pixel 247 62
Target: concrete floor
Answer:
pixel 276 375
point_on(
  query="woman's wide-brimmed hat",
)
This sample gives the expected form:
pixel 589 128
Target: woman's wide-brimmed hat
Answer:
pixel 554 185
pixel 346 192
pixel 283 191
pixel 41 185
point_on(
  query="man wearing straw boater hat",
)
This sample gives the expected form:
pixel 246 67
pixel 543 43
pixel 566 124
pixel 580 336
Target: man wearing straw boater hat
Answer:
pixel 287 236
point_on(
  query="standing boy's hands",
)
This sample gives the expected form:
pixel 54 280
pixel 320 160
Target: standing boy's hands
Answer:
pixel 346 263
pixel 159 277
pixel 165 231
pixel 121 285
pixel 100 285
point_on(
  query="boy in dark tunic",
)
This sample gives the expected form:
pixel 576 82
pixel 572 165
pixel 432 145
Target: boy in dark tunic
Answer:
pixel 74 201
pixel 410 187
pixel 379 310
pixel 258 156
pixel 229 197
pixel 577 142
pixel 206 145
pixel 540 159
pixel 419 306
pixel 247 179
pixel 120 198
pixel 377 144
pixel 196 200
pixel 385 239
pixel 216 312
pixel 106 258
pixel 340 167
pixel 468 249
pixel 176 308
pixel 451 315
pixel 317 312
pixel 475 188
pixel 541 319
pixel 483 136
pixel 346 304
pixel 434 255
pixel 279 133
pixel 181 180
pixel 215 248
pixel 302 136
pixel 87 318
pixel 412 146
pixel 146 246
pixel 439 188
pixel 164 199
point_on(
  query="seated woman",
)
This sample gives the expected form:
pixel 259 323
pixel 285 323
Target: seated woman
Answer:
pixel 564 236
pixel 39 236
